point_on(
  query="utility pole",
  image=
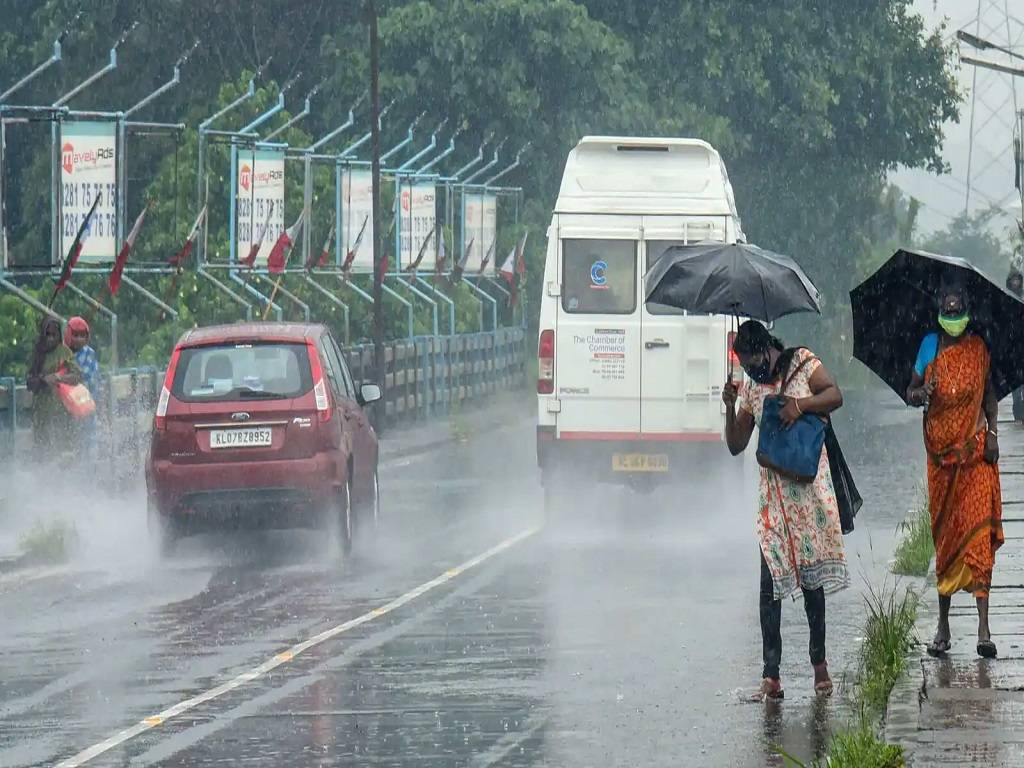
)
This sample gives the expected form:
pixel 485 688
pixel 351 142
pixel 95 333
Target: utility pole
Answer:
pixel 378 278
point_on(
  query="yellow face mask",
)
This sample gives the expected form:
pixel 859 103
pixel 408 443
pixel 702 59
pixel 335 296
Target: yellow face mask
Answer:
pixel 954 326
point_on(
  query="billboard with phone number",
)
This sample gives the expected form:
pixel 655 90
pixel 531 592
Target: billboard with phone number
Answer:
pixel 88 168
pixel 259 201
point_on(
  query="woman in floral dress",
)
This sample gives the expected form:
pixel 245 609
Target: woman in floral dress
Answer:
pixel 798 525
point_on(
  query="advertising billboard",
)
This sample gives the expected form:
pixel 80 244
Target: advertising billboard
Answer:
pixel 88 168
pixel 260 201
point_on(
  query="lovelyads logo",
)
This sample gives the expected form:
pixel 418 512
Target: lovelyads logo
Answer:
pixel 266 177
pixel 70 159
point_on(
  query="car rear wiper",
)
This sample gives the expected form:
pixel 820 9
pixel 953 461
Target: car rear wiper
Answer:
pixel 258 394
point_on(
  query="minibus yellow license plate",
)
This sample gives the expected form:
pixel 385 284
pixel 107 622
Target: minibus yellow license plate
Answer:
pixel 639 462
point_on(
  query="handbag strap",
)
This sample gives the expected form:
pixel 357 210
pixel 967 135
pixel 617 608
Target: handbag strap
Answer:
pixel 789 379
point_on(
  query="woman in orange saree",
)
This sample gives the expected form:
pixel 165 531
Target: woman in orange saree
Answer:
pixel 951 380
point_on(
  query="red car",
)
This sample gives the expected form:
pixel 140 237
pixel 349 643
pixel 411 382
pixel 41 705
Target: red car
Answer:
pixel 261 424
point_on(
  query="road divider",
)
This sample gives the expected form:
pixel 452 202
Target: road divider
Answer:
pixel 289 654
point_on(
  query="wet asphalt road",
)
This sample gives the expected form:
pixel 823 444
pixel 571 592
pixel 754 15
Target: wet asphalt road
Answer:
pixel 624 639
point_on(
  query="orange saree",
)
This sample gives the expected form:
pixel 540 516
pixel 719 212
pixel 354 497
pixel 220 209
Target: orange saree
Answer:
pixel 964 496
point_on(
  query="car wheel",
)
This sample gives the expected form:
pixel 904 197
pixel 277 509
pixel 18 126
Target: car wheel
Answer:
pixel 343 518
pixel 373 508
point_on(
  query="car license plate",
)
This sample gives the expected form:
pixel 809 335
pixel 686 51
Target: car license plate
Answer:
pixel 245 437
pixel 640 462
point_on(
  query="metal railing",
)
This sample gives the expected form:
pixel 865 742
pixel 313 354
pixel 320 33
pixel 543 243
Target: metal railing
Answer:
pixel 425 377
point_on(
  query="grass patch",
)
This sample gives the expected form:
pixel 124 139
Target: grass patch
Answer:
pixel 48 543
pixel 915 550
pixel 858 747
pixel 888 639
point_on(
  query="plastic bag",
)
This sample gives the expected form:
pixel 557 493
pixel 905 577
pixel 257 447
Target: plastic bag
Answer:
pixel 76 400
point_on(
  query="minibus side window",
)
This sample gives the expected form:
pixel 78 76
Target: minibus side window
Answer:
pixel 599 277
pixel 655 248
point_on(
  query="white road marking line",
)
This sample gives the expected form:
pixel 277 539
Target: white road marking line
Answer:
pixel 285 656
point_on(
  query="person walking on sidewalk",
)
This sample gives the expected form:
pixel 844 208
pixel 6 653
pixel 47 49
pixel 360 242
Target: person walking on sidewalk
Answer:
pixel 798 528
pixel 1015 285
pixel 951 380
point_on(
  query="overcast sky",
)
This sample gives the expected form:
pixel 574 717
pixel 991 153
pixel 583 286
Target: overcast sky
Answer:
pixel 995 97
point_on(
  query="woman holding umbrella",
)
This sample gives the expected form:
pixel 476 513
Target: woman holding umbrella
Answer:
pixel 952 380
pixel 798 527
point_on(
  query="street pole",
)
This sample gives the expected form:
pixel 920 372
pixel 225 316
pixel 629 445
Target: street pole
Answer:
pixel 378 289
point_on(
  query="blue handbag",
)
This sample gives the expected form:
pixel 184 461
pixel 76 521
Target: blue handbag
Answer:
pixel 795 452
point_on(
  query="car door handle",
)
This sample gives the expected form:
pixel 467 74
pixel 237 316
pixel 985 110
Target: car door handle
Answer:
pixel 656 344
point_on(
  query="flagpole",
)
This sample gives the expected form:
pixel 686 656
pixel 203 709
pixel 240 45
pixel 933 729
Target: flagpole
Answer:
pixel 273 295
pixel 72 256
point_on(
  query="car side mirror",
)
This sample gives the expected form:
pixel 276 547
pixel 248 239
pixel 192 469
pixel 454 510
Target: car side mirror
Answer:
pixel 369 393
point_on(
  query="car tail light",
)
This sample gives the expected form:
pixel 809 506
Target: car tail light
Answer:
pixel 546 359
pixel 160 422
pixel 323 402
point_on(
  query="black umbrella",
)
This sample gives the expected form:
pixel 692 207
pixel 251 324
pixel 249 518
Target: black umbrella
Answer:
pixel 730 279
pixel 895 308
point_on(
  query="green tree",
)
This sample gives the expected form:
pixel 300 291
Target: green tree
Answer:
pixel 970 237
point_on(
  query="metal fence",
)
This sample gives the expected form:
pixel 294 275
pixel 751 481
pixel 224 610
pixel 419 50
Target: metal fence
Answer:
pixel 424 378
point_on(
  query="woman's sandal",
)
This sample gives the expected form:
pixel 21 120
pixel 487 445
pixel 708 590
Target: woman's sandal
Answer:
pixel 822 682
pixel 770 690
pixel 987 649
pixel 939 648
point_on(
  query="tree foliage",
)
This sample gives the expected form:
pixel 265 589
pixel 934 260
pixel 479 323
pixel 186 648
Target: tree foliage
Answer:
pixel 810 103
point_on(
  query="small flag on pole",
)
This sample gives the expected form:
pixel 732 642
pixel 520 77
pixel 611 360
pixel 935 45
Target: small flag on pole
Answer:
pixel 351 255
pixel 521 255
pixel 324 258
pixel 114 282
pixel 179 258
pixel 278 258
pixel 487 256
pixel 250 258
pixel 460 267
pixel 508 274
pixel 74 251
pixel 442 256
pixel 422 252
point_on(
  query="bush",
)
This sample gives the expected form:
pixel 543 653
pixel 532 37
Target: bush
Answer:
pixel 916 548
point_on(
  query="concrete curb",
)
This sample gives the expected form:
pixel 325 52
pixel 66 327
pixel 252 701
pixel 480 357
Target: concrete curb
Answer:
pixel 903 710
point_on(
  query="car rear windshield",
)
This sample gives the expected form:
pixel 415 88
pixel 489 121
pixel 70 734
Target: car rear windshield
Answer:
pixel 251 371
pixel 599 276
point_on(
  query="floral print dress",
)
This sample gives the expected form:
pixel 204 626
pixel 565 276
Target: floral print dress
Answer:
pixel 797 523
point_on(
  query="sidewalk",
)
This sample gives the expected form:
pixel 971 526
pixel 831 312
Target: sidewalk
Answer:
pixel 503 409
pixel 963 710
